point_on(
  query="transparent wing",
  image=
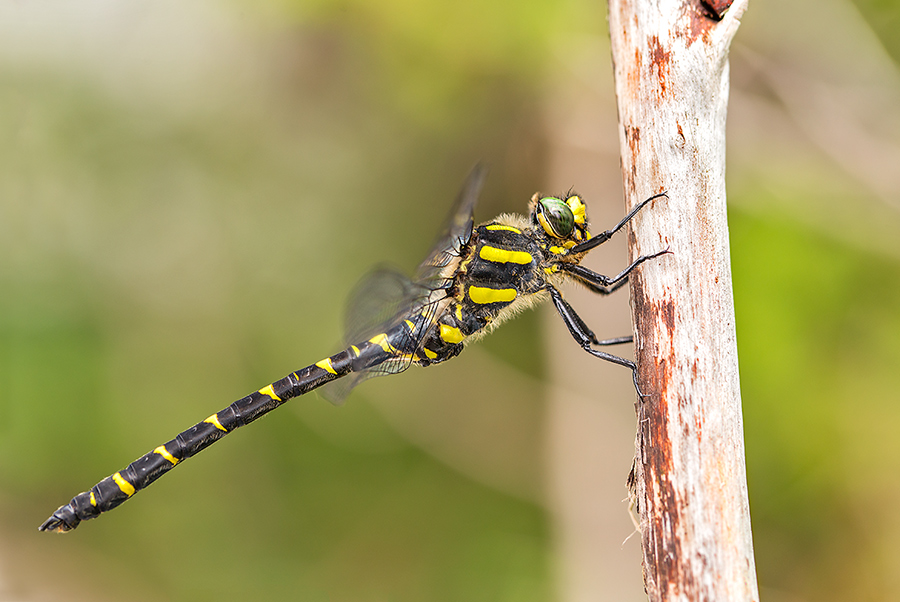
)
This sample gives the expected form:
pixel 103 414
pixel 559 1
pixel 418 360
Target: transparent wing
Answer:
pixel 457 231
pixel 382 300
pixel 385 297
pixel 378 300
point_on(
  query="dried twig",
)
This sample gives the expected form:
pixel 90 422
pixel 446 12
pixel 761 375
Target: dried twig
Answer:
pixel 671 71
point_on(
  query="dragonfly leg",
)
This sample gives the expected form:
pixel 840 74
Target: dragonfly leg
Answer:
pixel 615 341
pixel 599 289
pixel 601 238
pixel 599 283
pixel 584 337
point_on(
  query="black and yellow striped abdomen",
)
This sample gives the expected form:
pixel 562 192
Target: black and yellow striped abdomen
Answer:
pixel 120 486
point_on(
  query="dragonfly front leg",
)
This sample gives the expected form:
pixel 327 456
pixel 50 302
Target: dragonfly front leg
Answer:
pixel 601 238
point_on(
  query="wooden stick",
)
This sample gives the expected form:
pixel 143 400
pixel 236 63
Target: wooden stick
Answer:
pixel 671 70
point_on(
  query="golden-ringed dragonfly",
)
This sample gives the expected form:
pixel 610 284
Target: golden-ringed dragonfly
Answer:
pixel 474 278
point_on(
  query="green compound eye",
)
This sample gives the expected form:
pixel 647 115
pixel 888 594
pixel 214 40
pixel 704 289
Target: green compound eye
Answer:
pixel 555 217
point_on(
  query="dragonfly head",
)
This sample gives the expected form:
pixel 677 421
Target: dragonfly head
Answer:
pixel 560 219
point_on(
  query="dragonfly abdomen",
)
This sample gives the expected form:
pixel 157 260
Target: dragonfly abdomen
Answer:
pixel 120 486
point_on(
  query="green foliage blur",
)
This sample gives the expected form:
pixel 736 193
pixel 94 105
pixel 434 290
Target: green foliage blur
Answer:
pixel 188 194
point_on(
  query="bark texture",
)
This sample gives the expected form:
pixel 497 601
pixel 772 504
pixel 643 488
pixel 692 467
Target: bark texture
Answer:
pixel 671 70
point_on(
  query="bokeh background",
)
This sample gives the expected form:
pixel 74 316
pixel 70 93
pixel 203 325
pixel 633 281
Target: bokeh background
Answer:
pixel 189 191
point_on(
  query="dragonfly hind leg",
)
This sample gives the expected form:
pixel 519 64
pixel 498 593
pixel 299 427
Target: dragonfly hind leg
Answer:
pixel 585 337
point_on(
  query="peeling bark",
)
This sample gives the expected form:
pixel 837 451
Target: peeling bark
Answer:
pixel 671 70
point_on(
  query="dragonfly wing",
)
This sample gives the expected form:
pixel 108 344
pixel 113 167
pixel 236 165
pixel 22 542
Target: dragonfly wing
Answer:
pixel 457 231
pixel 385 297
pixel 375 301
pixel 382 300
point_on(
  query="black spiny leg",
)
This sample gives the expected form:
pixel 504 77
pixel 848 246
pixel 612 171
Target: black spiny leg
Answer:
pixel 599 283
pixel 615 341
pixel 582 327
pixel 583 335
pixel 601 290
pixel 601 238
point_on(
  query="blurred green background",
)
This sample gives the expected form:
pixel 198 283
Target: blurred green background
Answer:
pixel 189 192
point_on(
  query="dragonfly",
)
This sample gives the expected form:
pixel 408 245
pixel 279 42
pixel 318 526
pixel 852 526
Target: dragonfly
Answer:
pixel 474 278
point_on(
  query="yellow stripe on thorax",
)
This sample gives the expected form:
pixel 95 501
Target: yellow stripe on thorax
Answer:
pixel 451 334
pixel 483 295
pixel 326 365
pixel 503 227
pixel 504 256
pixel 126 487
pixel 162 451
